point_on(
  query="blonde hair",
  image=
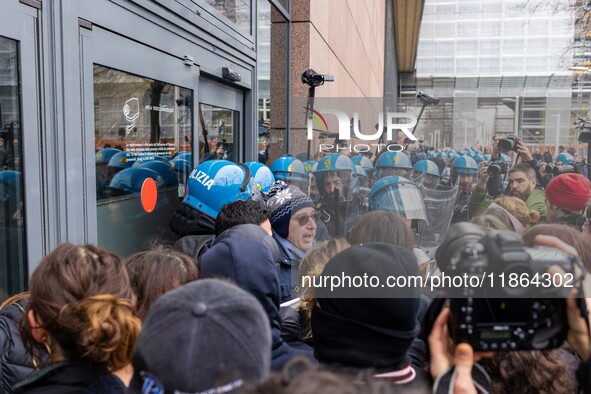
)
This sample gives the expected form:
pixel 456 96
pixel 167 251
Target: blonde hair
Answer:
pixel 516 207
pixel 312 266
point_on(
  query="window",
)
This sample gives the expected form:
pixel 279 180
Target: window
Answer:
pixel 238 11
pixel 12 209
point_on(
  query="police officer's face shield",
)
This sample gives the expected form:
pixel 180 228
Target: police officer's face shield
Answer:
pixel 406 200
pixel 312 191
pixel 333 185
pixel 383 172
pixel 427 180
pixel 299 181
pixel 465 181
pixel 403 198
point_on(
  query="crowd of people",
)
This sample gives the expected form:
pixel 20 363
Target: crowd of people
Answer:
pixel 226 308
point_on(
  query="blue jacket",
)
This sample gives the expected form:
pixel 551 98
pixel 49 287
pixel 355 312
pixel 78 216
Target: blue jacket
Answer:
pixel 246 256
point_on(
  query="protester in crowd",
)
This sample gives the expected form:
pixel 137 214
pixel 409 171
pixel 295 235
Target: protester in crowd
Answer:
pixel 496 220
pixel 587 225
pixel 16 363
pixel 155 272
pixel 512 223
pixel 360 332
pixel 522 184
pixel 207 336
pixel 567 196
pixel 299 376
pixel 293 220
pixel 519 210
pixel 392 228
pixel 568 234
pixel 81 311
pixel 242 212
pixel 382 226
pixel 248 256
pixel 296 323
pixel 548 371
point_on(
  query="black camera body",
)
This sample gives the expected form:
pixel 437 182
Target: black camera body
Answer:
pixel 577 167
pixel 509 144
pixel 501 313
pixel 496 168
pixel 313 79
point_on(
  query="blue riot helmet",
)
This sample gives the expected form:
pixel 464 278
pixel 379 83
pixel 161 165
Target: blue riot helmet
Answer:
pixel 291 171
pixel 464 170
pixel 130 181
pixel 103 156
pixel 182 168
pixel 478 158
pixel 431 155
pixel 427 172
pixel 366 164
pixel 393 163
pixel 163 168
pixel 215 183
pixel 308 165
pixel 335 171
pixel 565 158
pixel 398 194
pixel 486 158
pixel 122 159
pixel 263 177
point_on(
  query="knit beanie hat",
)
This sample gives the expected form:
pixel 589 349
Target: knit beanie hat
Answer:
pixel 367 332
pixel 283 201
pixel 569 191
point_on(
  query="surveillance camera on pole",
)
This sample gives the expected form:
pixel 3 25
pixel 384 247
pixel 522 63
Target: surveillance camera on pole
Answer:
pixel 312 79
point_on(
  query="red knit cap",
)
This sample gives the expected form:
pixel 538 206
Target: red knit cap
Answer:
pixel 569 191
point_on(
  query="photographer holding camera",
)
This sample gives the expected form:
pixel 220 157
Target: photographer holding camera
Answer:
pixel 482 322
pixel 523 180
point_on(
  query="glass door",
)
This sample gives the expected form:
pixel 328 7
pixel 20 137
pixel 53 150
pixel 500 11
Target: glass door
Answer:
pixel 141 102
pixel 20 213
pixel 220 122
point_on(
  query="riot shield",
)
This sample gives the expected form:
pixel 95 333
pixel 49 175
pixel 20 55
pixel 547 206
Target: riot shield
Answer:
pixel 440 206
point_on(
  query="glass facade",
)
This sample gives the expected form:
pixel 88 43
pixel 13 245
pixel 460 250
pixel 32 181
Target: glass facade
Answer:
pixel 143 134
pixel 12 209
pixel 273 82
pixel 238 11
pixel 474 54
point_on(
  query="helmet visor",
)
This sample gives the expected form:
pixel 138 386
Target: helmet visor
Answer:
pixel 389 171
pixel 403 198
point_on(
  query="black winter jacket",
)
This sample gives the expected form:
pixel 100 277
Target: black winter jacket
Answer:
pixel 16 361
pixel 63 378
pixel 248 256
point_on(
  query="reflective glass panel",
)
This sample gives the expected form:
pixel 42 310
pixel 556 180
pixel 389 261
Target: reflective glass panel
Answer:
pixel 143 144
pixel 218 126
pixel 12 210
pixel 238 11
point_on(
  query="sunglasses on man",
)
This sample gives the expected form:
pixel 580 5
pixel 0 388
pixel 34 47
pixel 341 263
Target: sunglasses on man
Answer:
pixel 303 220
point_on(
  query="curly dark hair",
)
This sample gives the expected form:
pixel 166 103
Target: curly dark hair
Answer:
pixel 532 372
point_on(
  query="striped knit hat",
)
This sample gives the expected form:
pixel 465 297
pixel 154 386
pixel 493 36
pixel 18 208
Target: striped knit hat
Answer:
pixel 283 201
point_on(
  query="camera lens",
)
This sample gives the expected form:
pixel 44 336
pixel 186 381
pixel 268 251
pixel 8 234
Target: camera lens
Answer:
pixel 506 145
pixel 493 170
